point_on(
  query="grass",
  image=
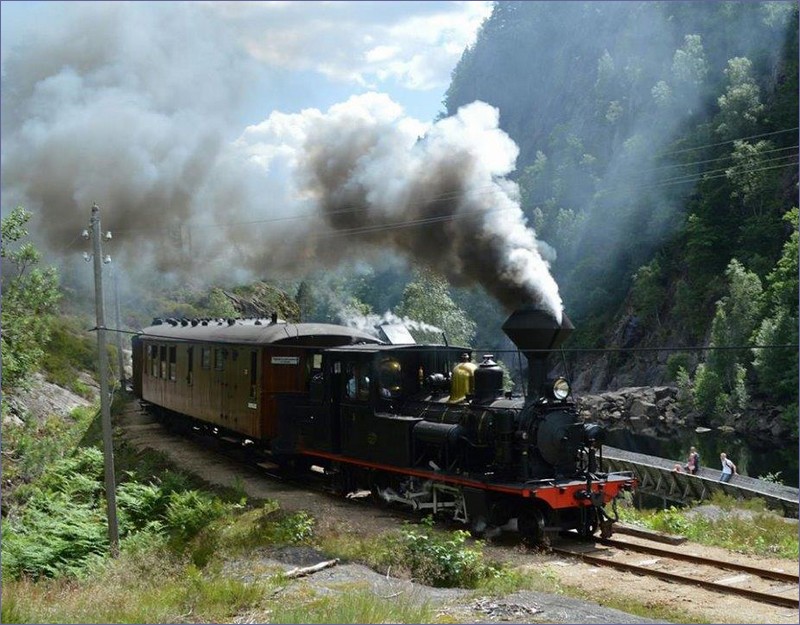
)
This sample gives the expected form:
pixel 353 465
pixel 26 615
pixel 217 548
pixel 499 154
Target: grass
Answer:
pixel 139 587
pixel 761 532
pixel 353 604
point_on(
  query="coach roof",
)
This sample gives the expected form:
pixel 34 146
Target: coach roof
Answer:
pixel 256 331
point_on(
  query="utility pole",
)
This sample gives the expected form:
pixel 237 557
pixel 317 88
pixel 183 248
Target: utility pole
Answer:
pixel 105 407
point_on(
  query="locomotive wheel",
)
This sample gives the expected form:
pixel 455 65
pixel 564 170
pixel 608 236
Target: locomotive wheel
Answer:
pixel 530 524
pixel 589 523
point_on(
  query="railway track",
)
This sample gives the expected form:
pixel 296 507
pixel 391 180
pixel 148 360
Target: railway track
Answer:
pixel 754 583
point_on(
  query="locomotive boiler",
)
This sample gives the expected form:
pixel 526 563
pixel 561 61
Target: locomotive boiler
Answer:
pixel 420 426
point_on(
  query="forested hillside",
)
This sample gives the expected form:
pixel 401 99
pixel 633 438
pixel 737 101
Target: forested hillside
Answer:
pixel 658 156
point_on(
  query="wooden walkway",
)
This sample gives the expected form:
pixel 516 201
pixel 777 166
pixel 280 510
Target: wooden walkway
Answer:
pixel 657 477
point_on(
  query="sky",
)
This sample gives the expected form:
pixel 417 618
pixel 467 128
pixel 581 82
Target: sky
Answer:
pixel 315 54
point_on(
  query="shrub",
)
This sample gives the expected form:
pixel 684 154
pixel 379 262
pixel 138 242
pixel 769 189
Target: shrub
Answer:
pixel 188 512
pixel 676 362
pixel 443 560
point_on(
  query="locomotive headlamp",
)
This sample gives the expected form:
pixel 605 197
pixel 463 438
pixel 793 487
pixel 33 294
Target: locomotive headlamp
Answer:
pixel 560 388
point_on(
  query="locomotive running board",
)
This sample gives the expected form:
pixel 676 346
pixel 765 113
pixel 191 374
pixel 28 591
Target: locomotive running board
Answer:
pixel 554 494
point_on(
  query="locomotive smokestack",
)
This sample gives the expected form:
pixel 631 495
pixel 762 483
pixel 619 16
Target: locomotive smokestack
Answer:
pixel 535 332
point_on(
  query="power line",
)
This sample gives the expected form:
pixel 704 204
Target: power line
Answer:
pixel 712 145
pixel 493 350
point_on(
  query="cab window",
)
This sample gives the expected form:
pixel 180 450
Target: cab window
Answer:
pixel 357 381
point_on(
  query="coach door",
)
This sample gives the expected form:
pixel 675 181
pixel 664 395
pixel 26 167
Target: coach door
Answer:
pixel 284 374
pixel 220 377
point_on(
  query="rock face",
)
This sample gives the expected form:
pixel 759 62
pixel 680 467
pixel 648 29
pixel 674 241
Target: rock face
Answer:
pixel 261 300
pixel 645 410
pixel 44 399
pixel 657 411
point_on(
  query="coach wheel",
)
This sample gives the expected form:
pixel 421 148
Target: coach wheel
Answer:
pixel 530 524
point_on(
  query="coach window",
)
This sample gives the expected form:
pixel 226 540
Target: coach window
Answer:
pixel 154 360
pixel 190 365
pixel 173 363
pixel 219 359
pixel 205 357
pixel 163 370
pixel 253 374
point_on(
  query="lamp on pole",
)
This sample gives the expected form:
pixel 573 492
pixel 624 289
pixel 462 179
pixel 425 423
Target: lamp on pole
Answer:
pixel 105 407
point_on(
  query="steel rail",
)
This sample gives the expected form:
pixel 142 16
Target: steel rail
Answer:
pixel 761 597
pixel 792 578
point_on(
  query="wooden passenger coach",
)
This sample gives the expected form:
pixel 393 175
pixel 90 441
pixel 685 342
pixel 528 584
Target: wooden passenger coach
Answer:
pixel 230 373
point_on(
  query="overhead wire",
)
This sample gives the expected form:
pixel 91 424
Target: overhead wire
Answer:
pixel 493 350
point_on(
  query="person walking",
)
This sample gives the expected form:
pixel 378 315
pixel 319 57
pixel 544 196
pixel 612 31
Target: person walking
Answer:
pixel 728 468
pixel 693 463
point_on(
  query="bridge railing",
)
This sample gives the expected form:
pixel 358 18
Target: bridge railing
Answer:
pixel 657 477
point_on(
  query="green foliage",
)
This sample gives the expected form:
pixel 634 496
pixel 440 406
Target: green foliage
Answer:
pixel 30 448
pixel 30 294
pixel 220 305
pixel 72 349
pixel 426 299
pixel 188 512
pixel 740 106
pixel 685 389
pixel 777 368
pixel 443 560
pixel 58 524
pixel 648 290
pixel 746 527
pixel 676 362
pixel 719 384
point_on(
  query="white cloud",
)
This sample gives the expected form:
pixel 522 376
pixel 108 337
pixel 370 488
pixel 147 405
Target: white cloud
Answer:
pixel 416 44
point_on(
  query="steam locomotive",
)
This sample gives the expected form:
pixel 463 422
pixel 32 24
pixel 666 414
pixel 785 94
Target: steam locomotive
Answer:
pixel 417 425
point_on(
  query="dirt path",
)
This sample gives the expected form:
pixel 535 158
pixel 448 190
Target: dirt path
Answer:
pixel 143 432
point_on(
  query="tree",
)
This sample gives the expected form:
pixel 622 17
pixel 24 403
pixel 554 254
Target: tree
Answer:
pixel 426 299
pixel 30 295
pixel 719 385
pixel 777 368
pixel 689 64
pixel 740 106
pixel 648 292
pixel 749 175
